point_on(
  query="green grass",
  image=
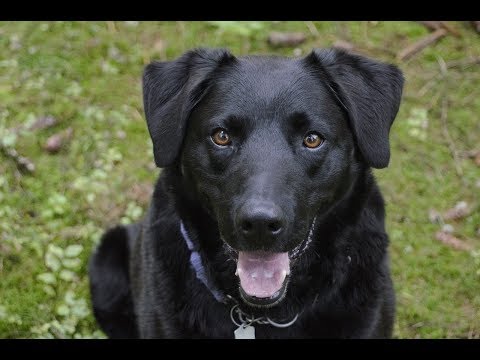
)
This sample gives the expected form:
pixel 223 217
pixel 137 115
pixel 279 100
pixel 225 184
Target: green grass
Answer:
pixel 87 76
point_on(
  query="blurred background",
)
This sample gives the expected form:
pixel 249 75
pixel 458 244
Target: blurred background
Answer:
pixel 76 157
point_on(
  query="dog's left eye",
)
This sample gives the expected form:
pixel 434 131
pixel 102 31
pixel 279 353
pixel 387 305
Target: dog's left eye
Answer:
pixel 221 137
pixel 312 140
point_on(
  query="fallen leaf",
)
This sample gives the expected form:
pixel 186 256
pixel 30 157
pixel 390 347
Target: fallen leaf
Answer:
pixel 54 143
pixel 93 42
pixel 344 45
pixel 121 134
pixel 15 43
pixel 297 52
pixel 434 216
pixel 459 211
pixel 448 229
pixel 477 159
pixel 471 153
pixel 474 155
pixel 452 241
pixel 286 39
pixel 241 28
pixel 159 46
pixel 476 25
pixel 22 162
pixel 140 192
pixel 44 122
pixel 57 141
pixel 152 167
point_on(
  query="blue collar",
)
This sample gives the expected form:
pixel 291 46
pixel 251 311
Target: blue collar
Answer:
pixel 197 265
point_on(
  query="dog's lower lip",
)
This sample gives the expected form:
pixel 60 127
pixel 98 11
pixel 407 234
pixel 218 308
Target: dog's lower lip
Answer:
pixel 265 302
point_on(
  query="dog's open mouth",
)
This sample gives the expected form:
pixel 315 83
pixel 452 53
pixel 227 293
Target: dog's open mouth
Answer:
pixel 263 277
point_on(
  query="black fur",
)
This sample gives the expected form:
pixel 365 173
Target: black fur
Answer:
pixel 110 285
pixel 141 278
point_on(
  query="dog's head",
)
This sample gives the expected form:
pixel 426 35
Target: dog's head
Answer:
pixel 270 143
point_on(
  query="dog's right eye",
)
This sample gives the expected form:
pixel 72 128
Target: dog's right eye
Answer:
pixel 221 137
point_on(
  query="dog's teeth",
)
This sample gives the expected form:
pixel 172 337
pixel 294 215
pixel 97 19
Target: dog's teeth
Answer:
pixel 268 274
pixel 288 272
pixel 284 274
pixel 239 270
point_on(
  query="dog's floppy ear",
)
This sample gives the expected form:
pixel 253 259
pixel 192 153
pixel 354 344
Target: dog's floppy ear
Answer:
pixel 171 89
pixel 369 91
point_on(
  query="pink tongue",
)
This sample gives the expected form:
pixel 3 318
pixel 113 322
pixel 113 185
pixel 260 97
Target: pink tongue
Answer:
pixel 262 274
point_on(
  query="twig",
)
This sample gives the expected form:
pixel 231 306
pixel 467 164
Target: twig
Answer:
pixel 312 28
pixel 476 25
pixel 470 154
pixel 40 124
pixel 431 25
pixel 468 98
pixel 361 48
pixel 435 25
pixel 443 66
pixel 286 39
pixel 450 29
pixel 463 62
pixel 446 133
pixel 22 162
pixel 111 27
pixel 137 114
pixel 415 48
pixel 381 49
pixel 443 118
pixel 433 102
pixel 424 89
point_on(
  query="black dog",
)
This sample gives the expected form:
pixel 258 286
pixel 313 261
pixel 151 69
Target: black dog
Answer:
pixel 266 220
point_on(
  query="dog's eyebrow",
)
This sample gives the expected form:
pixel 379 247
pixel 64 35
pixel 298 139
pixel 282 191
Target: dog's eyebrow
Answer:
pixel 236 122
pixel 299 119
pixel 302 119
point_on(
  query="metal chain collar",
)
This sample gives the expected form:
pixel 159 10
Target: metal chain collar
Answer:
pixel 247 320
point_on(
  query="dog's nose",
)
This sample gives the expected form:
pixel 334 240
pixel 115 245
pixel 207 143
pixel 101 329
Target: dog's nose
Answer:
pixel 260 221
